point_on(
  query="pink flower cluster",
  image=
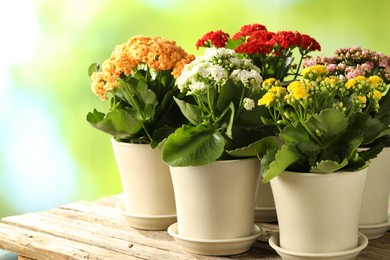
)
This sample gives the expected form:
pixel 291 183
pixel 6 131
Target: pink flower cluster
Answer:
pixel 353 62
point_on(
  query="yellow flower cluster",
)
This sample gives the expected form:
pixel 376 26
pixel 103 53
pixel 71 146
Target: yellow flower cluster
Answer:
pixel 332 81
pixel 267 99
pixel 315 73
pixel 268 83
pixel 275 93
pixel 368 90
pixel 297 89
pixel 315 89
pixel 353 82
pixel 155 52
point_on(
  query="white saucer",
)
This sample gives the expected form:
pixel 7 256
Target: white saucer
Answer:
pixel 375 231
pixel 265 214
pixel 342 255
pixel 217 246
pixel 147 222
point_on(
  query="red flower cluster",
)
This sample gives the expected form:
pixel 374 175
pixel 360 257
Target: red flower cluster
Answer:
pixel 264 42
pixel 217 39
pixel 271 52
pixel 258 42
pixel 247 30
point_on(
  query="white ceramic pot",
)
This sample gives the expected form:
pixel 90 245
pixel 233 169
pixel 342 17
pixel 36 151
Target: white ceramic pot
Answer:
pixel 265 210
pixel 146 182
pixel 373 220
pixel 318 213
pixel 216 201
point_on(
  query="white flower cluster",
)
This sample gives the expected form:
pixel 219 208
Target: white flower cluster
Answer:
pixel 214 68
pixel 249 103
pixel 249 79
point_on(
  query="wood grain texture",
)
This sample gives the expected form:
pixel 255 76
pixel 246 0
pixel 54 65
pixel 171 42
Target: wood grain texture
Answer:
pixel 96 230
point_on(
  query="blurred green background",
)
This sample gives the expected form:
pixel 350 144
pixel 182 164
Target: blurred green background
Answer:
pixel 49 155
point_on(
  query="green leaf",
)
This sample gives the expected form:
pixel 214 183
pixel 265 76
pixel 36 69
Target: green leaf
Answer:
pixel 294 135
pixel 117 123
pixel 147 96
pixel 140 73
pixel 160 135
pixel 258 147
pixel 267 121
pixel 331 124
pixel 384 107
pixel 95 116
pixel 165 78
pixel 274 162
pixel 233 44
pixel 166 101
pixel 373 127
pixel 149 112
pixel 309 148
pixel 93 68
pixel 139 96
pixel 371 152
pixel 345 148
pixel 191 112
pixel 328 166
pixel 193 145
pixel 226 95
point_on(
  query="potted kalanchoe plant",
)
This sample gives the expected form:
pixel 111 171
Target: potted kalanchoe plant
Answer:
pixel 353 62
pixel 219 103
pixel 322 119
pixel 139 78
pixel 356 62
pixel 279 55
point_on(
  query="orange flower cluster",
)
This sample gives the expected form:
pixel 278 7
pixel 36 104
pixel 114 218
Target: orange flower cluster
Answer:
pixel 155 52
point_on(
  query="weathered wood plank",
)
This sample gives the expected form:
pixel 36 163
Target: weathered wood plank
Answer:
pixel 95 213
pixel 115 240
pixel 118 240
pixel 377 249
pixel 98 212
pixel 110 201
pixel 24 258
pixel 37 245
pixel 112 218
pixel 104 230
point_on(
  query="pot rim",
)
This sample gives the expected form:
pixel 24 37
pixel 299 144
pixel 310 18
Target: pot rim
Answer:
pixel 386 148
pixel 252 158
pixel 127 144
pixel 313 175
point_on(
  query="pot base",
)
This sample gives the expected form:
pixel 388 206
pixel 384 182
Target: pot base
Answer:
pixel 217 246
pixel 376 230
pixel 342 255
pixel 147 222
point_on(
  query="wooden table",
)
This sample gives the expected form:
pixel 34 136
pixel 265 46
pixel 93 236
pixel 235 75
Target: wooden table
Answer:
pixel 96 230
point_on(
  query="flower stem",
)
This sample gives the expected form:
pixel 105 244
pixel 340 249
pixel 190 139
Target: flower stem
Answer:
pixel 299 65
pixel 211 105
pixel 320 142
pixel 147 133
